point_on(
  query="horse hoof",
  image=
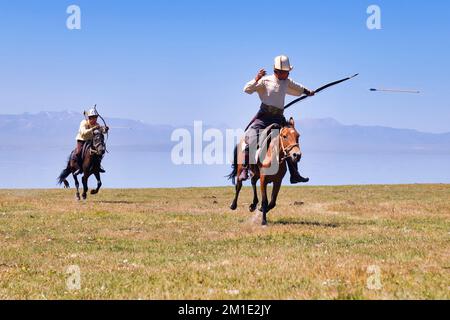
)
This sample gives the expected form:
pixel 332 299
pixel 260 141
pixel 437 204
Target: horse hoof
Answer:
pixel 252 208
pixel 94 192
pixel 264 223
pixel 233 206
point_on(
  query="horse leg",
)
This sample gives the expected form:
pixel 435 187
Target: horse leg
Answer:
pixel 264 203
pixel 275 191
pixel 238 162
pixel 255 194
pixel 77 185
pixel 99 183
pixel 238 189
pixel 85 185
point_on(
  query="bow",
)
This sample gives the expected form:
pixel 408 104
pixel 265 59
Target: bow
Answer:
pixel 104 122
pixel 320 89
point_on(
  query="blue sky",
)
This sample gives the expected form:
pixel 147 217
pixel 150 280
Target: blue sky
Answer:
pixel 174 62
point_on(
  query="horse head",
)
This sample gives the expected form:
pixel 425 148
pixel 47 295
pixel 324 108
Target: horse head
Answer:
pixel 289 142
pixel 98 143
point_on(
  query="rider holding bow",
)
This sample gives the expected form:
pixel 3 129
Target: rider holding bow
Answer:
pixel 86 133
pixel 272 91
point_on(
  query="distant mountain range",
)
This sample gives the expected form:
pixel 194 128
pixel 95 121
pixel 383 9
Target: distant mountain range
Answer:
pixel 58 130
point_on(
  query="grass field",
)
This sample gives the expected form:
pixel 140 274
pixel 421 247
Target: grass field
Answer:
pixel 355 242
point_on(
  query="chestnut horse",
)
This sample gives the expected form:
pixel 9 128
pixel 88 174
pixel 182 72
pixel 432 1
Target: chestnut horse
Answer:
pixel 93 154
pixel 270 167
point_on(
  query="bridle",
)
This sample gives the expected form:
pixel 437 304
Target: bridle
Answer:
pixel 95 145
pixel 286 150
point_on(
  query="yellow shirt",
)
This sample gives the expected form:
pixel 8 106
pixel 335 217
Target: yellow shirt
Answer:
pixel 85 132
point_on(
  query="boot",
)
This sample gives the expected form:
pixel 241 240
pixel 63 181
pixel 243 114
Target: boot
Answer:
pixel 295 175
pixel 245 166
pixel 101 170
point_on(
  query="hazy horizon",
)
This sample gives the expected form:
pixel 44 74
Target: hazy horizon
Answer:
pixel 217 124
pixel 36 146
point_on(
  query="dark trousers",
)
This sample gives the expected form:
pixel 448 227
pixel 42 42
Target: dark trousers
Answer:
pixel 78 149
pixel 262 120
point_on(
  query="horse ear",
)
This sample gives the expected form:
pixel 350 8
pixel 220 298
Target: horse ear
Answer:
pixel 292 122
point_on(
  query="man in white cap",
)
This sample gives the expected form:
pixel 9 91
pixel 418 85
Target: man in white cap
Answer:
pixel 272 91
pixel 86 133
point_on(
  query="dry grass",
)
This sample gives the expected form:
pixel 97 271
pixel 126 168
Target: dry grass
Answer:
pixel 187 244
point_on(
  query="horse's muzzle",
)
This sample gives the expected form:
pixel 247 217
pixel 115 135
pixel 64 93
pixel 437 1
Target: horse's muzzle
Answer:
pixel 100 151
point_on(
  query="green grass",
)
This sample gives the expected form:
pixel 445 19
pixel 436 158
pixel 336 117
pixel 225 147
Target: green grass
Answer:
pixel 187 244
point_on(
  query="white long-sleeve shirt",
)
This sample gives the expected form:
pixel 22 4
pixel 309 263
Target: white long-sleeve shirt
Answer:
pixel 272 91
pixel 85 132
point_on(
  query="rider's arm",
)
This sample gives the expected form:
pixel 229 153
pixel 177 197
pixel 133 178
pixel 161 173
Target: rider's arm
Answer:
pixel 85 131
pixel 296 89
pixel 253 86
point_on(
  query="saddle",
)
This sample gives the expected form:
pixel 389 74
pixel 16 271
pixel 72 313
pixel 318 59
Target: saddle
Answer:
pixel 265 138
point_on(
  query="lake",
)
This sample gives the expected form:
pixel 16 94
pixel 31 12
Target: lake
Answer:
pixel 26 169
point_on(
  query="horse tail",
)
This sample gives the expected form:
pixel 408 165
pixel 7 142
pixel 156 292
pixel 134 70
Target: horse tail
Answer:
pixel 234 166
pixel 65 173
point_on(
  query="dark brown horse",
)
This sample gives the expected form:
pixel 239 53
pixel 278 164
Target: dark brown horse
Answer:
pixel 93 153
pixel 270 167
